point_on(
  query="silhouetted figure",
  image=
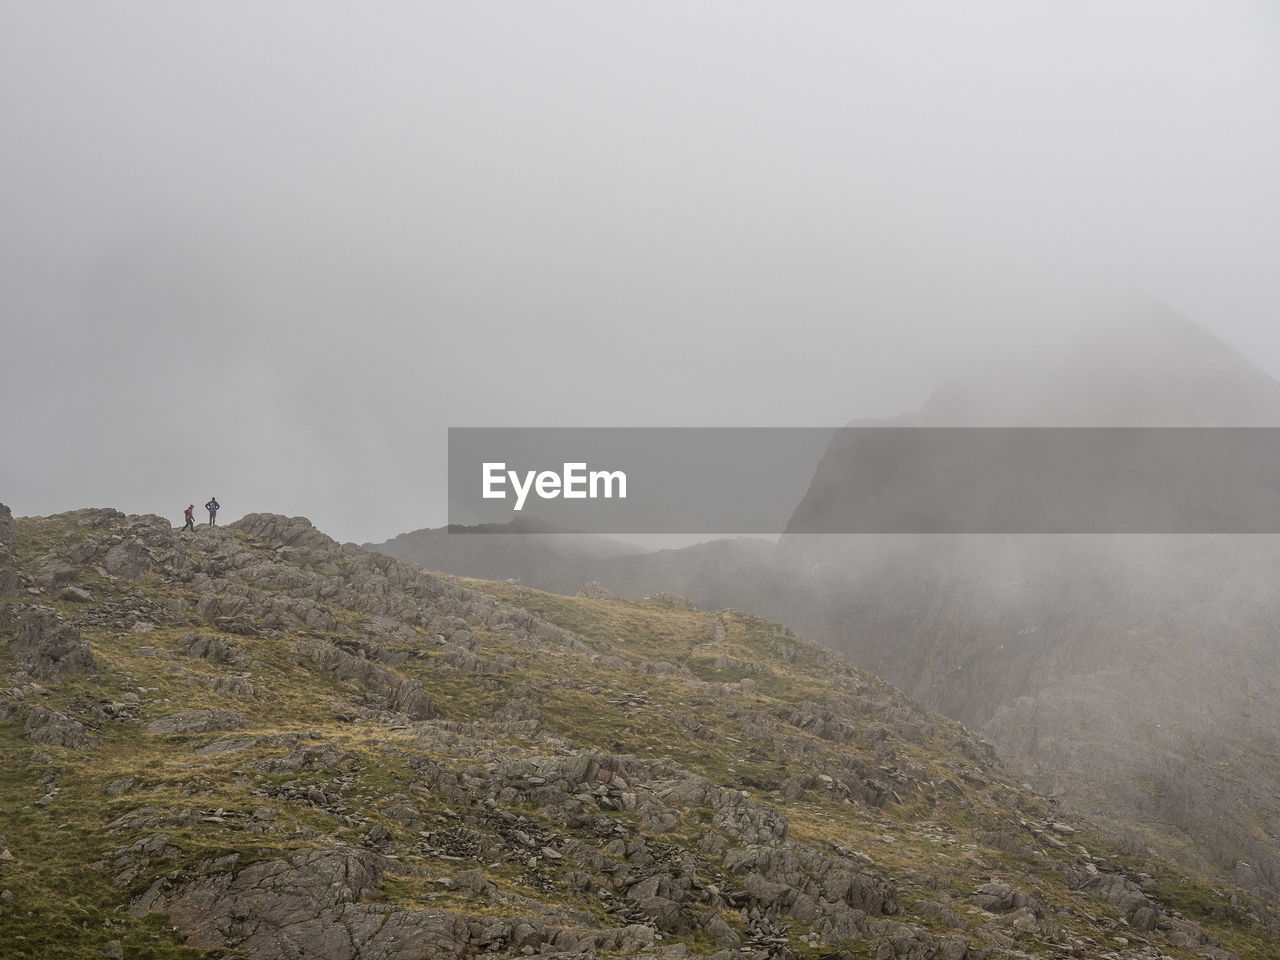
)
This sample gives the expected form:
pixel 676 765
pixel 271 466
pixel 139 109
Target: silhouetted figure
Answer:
pixel 212 507
pixel 190 516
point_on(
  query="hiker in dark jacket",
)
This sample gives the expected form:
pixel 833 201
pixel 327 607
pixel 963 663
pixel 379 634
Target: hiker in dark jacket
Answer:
pixel 212 507
pixel 190 516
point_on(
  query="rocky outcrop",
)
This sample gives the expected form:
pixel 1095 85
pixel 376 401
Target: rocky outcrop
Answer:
pixel 278 531
pixel 217 649
pixel 130 558
pixel 198 721
pixel 378 682
pixel 306 906
pixel 8 528
pixel 1123 893
pixel 417 768
pixel 55 729
pixel 48 647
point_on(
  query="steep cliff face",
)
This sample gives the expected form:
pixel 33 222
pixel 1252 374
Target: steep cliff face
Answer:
pixel 253 739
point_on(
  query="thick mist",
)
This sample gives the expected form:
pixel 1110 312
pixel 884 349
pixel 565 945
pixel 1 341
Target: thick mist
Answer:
pixel 1133 676
pixel 270 253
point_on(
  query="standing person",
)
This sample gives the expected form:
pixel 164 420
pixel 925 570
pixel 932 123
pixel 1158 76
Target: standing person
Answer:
pixel 212 507
pixel 190 516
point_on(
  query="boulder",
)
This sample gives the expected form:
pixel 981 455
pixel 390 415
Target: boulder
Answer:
pixel 1127 897
pixel 48 647
pixel 54 573
pixel 217 649
pixel 58 730
pixel 273 529
pixel 130 559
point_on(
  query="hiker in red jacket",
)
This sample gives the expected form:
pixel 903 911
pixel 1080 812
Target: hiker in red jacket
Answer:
pixel 190 516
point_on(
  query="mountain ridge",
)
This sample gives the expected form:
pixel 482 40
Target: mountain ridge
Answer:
pixel 1046 646
pixel 258 741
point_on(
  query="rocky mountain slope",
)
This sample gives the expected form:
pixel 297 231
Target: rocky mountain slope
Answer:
pixel 1135 677
pixel 255 742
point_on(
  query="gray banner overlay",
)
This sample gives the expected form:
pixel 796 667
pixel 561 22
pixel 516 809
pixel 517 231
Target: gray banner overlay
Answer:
pixel 866 480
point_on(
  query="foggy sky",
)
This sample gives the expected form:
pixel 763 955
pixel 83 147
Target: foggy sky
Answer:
pixel 270 252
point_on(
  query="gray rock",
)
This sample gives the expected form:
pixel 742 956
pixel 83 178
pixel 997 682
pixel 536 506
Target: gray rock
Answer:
pixel 403 813
pixel 130 559
pixel 11 582
pixel 636 937
pixel 270 528
pixel 75 594
pixel 1136 907
pixel 736 813
pixel 766 892
pixel 84 551
pixel 900 942
pixel 399 693
pixel 198 721
pixel 1001 897
pixel 54 573
pixel 325 756
pixel 8 527
pixel 473 881
pixel 940 911
pixel 664 912
pixel 232 685
pixel 48 647
pixel 723 934
pixel 117 787
pixel 244 626
pixel 307 906
pixel 56 729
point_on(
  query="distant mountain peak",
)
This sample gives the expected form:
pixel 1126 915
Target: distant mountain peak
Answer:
pixel 1133 361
